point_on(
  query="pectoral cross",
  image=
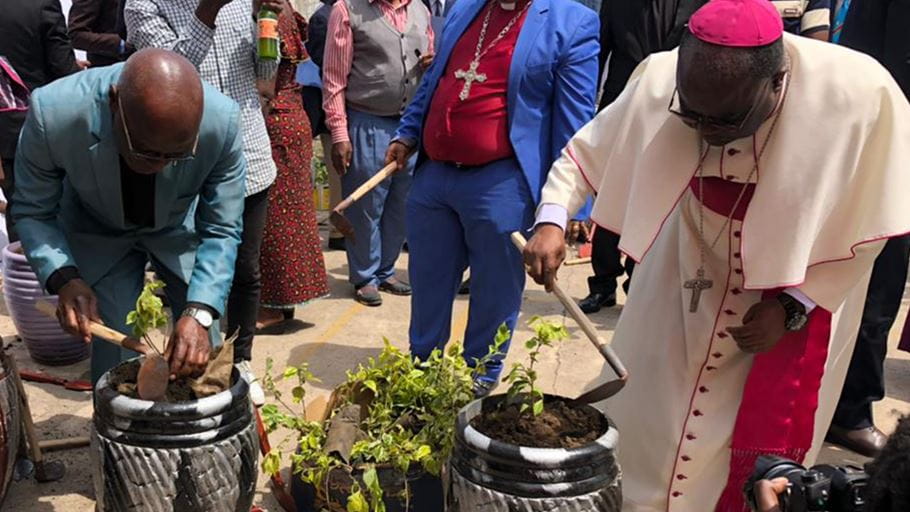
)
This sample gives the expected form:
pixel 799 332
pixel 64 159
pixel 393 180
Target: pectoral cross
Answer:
pixel 697 285
pixel 470 76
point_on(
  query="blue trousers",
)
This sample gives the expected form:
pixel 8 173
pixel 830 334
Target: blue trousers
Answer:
pixel 117 292
pixel 459 218
pixel 378 217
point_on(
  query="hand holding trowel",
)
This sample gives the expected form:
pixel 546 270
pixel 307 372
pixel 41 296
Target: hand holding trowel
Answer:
pixel 153 374
pixel 610 388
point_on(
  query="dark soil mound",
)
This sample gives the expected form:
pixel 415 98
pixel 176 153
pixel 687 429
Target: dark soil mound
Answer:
pixel 560 425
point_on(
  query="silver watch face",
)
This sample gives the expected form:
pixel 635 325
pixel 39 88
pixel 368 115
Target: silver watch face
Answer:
pixel 202 316
pixel 797 322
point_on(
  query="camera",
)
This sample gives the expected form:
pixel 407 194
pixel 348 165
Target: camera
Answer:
pixel 819 488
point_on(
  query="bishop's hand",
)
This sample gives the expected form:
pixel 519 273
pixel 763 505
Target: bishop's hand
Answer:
pixel 544 253
pixel 763 327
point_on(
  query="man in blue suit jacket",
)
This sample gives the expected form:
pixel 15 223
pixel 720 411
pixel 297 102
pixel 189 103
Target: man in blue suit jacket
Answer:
pixel 125 165
pixel 511 83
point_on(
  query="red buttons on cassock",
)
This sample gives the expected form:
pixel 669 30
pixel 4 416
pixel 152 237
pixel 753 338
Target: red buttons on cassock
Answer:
pixel 710 368
pixel 736 291
pixel 736 255
pixel 729 312
pixel 737 234
pixel 717 355
pixel 681 477
pixel 722 335
pixel 696 413
pixel 686 458
pixel 676 494
pixel 738 270
pixel 702 389
pixel 691 437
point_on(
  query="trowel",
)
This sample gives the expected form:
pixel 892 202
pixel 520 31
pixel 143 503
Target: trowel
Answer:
pixel 337 217
pixel 610 388
pixel 154 372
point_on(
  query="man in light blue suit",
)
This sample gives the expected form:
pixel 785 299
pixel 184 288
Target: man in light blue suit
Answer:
pixel 126 165
pixel 511 83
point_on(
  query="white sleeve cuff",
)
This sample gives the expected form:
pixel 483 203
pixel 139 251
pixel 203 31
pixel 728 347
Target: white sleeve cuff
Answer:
pixel 550 213
pixel 802 297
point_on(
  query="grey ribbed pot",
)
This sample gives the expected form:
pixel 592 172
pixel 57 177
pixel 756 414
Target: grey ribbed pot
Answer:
pixel 487 475
pixel 45 340
pixel 194 456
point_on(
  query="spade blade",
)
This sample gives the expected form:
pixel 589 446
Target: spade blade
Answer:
pixel 153 378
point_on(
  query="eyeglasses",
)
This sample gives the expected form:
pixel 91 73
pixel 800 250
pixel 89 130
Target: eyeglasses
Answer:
pixel 698 120
pixel 152 155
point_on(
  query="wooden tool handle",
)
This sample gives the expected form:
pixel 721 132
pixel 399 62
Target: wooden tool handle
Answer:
pixel 578 315
pixel 370 184
pixel 101 331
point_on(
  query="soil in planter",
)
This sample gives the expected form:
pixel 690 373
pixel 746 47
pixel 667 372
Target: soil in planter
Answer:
pixel 217 378
pixel 560 425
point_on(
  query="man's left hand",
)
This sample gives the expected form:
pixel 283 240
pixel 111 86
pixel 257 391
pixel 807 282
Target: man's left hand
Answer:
pixel 763 326
pixel 189 348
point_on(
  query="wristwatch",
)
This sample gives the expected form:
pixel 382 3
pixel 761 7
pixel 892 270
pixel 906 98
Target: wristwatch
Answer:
pixel 796 312
pixel 200 315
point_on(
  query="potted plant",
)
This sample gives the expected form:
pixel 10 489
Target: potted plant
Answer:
pixel 197 450
pixel 386 436
pixel 526 450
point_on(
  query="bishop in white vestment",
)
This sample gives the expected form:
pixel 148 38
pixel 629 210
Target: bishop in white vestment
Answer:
pixel 755 176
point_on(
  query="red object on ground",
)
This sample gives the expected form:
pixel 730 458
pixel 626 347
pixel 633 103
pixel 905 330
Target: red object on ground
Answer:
pixel 72 385
pixel 278 487
pixel 584 251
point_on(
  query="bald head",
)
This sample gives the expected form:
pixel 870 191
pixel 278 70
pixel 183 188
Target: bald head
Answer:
pixel 161 96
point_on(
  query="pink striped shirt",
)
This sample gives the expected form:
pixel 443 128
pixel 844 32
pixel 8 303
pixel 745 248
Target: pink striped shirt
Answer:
pixel 339 55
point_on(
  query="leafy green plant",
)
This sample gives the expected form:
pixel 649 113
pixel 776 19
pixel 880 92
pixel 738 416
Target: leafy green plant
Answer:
pixel 522 378
pixel 320 172
pixel 410 419
pixel 149 313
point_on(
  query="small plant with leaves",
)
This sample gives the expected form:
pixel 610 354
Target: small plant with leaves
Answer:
pixel 522 378
pixel 149 313
pixel 409 423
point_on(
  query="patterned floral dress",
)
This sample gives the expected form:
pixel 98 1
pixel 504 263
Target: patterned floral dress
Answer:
pixel 293 269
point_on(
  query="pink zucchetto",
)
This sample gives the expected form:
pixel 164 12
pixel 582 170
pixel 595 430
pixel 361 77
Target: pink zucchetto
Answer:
pixel 738 23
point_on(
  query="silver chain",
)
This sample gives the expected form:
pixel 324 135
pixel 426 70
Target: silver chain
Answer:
pixel 479 52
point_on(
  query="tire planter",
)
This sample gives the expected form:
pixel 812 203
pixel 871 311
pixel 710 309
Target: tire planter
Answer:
pixel 492 476
pixel 10 433
pixel 193 456
pixel 425 491
pixel 45 340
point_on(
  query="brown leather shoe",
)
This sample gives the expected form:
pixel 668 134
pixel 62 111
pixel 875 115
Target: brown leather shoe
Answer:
pixel 865 441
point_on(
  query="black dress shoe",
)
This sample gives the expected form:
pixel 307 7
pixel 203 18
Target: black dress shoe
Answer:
pixel 596 300
pixel 865 441
pixel 336 243
pixel 368 296
pixel 395 287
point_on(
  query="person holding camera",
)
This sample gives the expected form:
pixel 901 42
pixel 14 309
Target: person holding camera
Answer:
pixel 884 487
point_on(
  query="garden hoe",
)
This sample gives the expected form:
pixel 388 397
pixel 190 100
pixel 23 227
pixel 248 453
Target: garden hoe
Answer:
pixel 153 373
pixel 612 387
pixel 337 218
